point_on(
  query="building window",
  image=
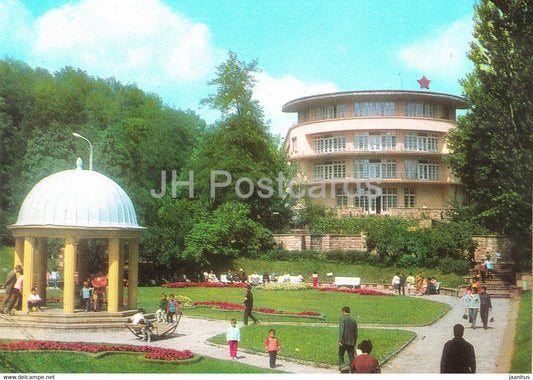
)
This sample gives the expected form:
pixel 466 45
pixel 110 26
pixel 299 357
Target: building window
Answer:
pixel 389 198
pixel 374 141
pixel 424 170
pixel 421 142
pixel 409 198
pixel 325 112
pixel 329 170
pixel 339 111
pixel 330 143
pixel 362 199
pixel 388 168
pixel 419 110
pixel 372 169
pixel 294 147
pixel 341 197
pixel 374 109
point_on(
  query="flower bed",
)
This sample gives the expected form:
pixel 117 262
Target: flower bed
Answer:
pixel 155 353
pixel 232 306
pixel 285 286
pixel 204 285
pixel 366 292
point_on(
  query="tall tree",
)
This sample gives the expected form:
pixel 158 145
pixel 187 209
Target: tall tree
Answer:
pixel 492 144
pixel 241 144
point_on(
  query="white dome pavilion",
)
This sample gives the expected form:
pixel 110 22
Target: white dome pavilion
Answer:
pixel 77 198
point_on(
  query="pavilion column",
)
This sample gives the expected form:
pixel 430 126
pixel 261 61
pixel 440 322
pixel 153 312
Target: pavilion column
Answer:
pixel 83 263
pixel 121 260
pixel 133 272
pixel 113 276
pixel 40 270
pixel 27 284
pixel 69 287
pixel 19 251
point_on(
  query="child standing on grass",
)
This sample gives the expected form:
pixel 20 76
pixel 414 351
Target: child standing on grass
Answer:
pixel 233 336
pixel 272 347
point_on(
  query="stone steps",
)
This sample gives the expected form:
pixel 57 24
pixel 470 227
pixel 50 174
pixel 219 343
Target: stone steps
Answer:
pixel 54 319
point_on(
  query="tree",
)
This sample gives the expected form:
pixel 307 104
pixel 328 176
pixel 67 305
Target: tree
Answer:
pixel 241 145
pixel 234 81
pixel 492 144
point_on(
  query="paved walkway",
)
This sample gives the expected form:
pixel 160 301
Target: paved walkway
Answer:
pixel 422 355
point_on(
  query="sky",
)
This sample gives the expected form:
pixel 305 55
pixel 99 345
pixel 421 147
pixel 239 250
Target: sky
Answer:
pixel 172 47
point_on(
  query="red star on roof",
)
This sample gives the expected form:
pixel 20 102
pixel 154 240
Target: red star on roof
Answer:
pixel 424 82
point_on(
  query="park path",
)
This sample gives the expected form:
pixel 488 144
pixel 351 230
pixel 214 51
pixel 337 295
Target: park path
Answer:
pixel 422 355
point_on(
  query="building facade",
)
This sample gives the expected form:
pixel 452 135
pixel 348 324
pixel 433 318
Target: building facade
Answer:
pixel 375 152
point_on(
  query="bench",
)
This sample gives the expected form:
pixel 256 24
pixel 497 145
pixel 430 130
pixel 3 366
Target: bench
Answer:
pixel 157 330
pixel 354 282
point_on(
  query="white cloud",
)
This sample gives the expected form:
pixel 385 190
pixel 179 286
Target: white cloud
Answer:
pixel 141 41
pixel 15 30
pixel 273 93
pixel 442 56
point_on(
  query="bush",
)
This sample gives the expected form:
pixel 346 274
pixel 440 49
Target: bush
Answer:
pixel 449 265
pixel 408 261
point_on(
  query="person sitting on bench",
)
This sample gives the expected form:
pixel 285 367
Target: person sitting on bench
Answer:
pixel 138 319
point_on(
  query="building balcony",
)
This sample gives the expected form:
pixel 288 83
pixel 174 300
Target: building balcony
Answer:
pixel 397 151
pixel 400 177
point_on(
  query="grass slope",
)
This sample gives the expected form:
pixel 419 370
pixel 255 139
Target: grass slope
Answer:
pixel 368 273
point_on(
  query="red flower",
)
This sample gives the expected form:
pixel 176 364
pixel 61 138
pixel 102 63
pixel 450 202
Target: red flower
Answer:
pixel 366 292
pixel 204 285
pixel 151 352
pixel 232 306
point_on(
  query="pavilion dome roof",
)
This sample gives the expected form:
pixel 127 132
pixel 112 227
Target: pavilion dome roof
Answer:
pixel 77 198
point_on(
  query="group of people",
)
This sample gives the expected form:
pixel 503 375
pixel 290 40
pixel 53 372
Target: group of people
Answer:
pixel 167 309
pixel 233 337
pixel 13 300
pixel 363 362
pixel 93 291
pixel 416 285
pixel 477 300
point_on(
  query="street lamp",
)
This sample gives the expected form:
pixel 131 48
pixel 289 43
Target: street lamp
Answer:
pixel 91 145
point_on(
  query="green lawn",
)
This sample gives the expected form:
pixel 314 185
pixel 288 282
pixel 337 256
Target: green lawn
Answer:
pixel 365 309
pixel 368 273
pixel 521 362
pixel 318 344
pixel 72 362
pixel 6 262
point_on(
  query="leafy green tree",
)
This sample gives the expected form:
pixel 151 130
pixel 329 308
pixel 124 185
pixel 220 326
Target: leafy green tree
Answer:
pixel 234 82
pixel 492 152
pixel 241 145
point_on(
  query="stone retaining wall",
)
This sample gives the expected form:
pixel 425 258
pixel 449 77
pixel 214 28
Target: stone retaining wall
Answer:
pixel 299 242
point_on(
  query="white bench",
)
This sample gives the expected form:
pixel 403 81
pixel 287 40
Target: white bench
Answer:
pixel 355 282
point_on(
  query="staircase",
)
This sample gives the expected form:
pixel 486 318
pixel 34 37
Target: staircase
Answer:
pixel 54 318
pixel 501 285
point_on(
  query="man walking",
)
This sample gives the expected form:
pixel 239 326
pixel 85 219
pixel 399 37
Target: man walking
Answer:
pixel 458 355
pixel 485 306
pixel 403 280
pixel 248 305
pixel 347 337
pixel 9 286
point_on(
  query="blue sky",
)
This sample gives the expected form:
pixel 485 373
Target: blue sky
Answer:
pixel 303 47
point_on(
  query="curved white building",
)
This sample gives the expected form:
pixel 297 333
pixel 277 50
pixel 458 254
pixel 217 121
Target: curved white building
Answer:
pixel 386 148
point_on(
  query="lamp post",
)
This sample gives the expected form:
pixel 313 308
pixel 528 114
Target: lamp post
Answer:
pixel 91 145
